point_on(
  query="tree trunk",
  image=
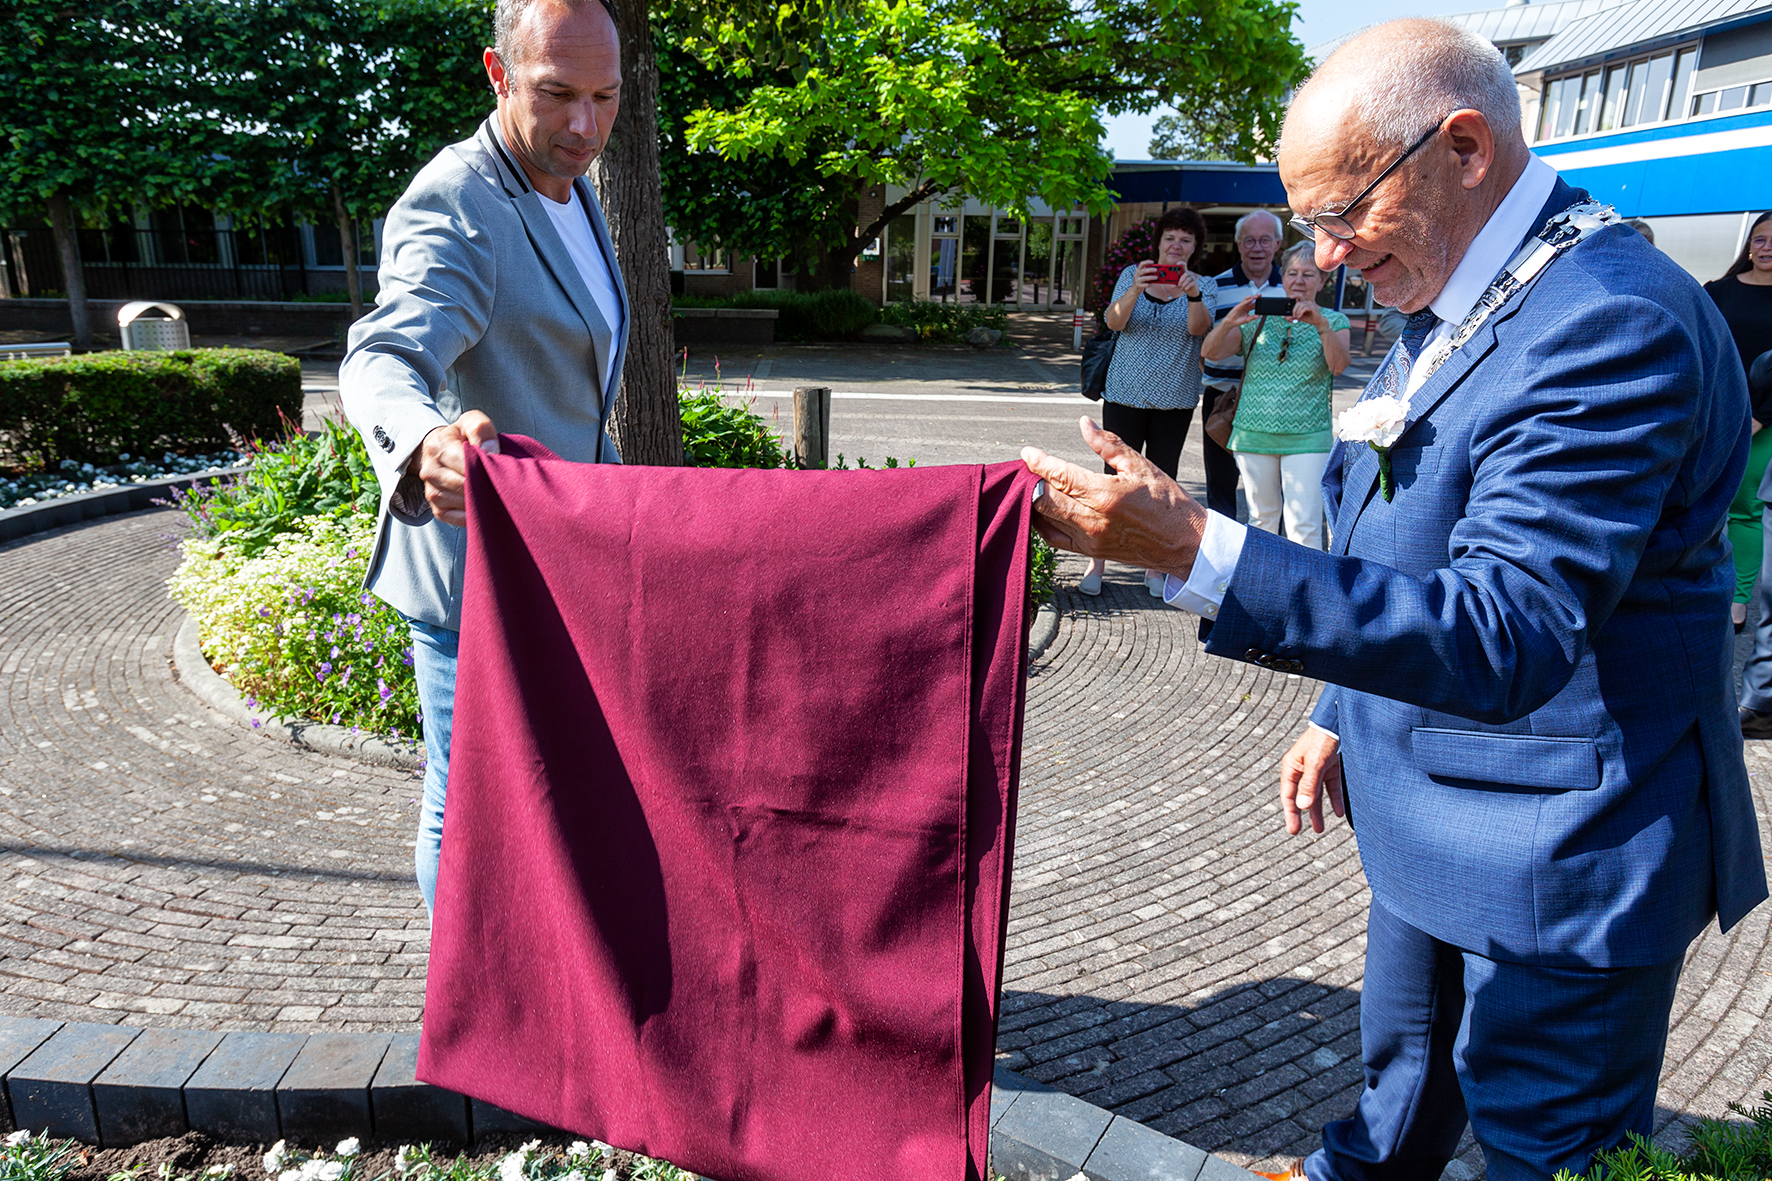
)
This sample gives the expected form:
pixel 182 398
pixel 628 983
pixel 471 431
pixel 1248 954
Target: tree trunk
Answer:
pixel 347 241
pixel 67 243
pixel 646 425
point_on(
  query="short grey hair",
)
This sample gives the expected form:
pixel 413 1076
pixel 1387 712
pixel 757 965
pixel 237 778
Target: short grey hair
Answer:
pixel 1426 70
pixel 1306 250
pixel 509 14
pixel 1279 226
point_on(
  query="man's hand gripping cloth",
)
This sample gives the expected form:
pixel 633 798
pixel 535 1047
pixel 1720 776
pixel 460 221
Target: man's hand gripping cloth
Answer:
pixel 731 803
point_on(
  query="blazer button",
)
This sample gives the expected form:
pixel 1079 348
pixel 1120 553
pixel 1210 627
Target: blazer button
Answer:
pixel 1295 666
pixel 1254 655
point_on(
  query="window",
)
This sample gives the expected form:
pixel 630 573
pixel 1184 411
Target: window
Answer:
pixel 1614 92
pixel 697 257
pixel 1628 94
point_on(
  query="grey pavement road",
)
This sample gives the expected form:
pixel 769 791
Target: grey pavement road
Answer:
pixel 1171 954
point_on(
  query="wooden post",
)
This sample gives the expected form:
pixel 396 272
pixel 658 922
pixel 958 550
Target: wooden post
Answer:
pixel 812 425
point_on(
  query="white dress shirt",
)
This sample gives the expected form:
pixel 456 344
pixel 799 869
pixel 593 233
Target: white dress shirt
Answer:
pixel 574 224
pixel 1517 216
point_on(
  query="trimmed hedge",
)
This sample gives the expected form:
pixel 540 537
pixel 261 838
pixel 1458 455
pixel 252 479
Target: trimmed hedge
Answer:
pixel 836 314
pixel 98 407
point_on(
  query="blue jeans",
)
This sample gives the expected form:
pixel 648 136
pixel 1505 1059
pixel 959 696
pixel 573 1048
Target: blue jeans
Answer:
pixel 433 666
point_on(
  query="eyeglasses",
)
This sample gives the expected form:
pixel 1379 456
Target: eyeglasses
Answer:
pixel 1336 224
pixel 1258 243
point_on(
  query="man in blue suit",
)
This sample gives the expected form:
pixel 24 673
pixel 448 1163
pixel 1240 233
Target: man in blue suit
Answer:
pixel 1523 621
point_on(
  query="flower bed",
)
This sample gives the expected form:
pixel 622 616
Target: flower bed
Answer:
pixel 71 478
pixel 25 1156
pixel 274 565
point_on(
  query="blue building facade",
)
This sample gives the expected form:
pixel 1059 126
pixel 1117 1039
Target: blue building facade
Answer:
pixel 1663 109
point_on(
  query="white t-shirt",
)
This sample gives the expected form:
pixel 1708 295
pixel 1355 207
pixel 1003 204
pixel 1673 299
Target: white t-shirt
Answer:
pixel 574 225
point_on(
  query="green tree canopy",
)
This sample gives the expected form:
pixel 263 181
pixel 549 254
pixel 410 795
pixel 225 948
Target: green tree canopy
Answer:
pixel 93 117
pixel 328 107
pixel 1001 101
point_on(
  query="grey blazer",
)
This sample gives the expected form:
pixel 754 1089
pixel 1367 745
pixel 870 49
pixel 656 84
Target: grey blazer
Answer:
pixel 480 308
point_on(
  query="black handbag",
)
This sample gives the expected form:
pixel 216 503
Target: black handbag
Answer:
pixel 1098 354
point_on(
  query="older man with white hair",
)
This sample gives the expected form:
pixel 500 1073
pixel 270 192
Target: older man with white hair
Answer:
pixel 1259 235
pixel 1521 618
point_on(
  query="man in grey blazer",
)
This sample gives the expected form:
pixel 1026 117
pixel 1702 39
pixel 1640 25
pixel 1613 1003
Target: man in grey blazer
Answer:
pixel 500 303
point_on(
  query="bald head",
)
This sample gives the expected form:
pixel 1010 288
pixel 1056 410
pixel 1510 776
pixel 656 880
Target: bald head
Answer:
pixel 1393 80
pixel 1411 132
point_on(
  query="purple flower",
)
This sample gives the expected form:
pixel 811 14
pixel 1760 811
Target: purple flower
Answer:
pixel 381 688
pixel 264 612
pixel 252 703
pixel 325 669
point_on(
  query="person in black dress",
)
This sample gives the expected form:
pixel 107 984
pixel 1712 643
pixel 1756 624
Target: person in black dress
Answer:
pixel 1744 296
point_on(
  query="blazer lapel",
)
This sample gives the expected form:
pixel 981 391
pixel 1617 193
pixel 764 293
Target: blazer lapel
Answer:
pixel 553 252
pixel 1361 477
pixel 587 198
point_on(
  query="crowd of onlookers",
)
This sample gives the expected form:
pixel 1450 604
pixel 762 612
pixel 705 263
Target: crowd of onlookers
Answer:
pixel 1195 343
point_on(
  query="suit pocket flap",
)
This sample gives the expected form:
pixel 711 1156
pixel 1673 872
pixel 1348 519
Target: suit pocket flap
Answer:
pixel 1507 760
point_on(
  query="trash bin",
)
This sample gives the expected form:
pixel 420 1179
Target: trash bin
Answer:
pixel 162 335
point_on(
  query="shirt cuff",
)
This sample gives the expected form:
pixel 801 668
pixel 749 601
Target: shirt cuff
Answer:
pixel 1323 730
pixel 1204 589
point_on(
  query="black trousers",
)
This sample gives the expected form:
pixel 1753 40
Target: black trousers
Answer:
pixel 1159 434
pixel 1221 465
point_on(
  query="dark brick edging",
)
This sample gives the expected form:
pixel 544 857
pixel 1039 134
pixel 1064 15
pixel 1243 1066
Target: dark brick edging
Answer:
pixel 116 1085
pixel 1044 631
pixel 102 502
pixel 194 671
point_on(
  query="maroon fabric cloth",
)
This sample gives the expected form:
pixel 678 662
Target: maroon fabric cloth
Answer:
pixel 731 801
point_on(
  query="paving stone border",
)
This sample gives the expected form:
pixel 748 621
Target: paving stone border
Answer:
pixel 214 690
pixel 1044 631
pixel 117 1085
pixel 101 502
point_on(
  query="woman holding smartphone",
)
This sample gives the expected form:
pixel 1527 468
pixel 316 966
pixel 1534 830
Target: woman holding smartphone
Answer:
pixel 1281 437
pixel 1161 310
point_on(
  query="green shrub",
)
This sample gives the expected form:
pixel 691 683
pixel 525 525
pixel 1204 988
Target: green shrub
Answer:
pixel 1042 567
pixel 294 630
pixel 813 315
pixel 718 433
pixel 1716 1150
pixel 944 321
pixel 98 407
pixel 324 474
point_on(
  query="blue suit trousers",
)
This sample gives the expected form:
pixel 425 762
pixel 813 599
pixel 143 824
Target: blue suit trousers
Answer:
pixel 1548 1065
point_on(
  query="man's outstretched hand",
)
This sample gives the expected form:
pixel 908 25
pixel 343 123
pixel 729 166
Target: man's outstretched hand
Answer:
pixel 1138 515
pixel 441 463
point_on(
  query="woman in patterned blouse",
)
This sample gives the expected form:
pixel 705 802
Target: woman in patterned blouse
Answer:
pixel 1281 436
pixel 1153 383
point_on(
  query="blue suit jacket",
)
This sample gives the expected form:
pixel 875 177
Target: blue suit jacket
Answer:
pixel 1528 648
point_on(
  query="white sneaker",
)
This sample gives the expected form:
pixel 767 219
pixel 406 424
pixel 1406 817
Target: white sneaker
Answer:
pixel 1154 581
pixel 1090 583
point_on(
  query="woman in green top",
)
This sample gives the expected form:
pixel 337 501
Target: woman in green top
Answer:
pixel 1281 437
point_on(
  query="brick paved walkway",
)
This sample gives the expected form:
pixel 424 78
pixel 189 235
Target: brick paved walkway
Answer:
pixel 1171 955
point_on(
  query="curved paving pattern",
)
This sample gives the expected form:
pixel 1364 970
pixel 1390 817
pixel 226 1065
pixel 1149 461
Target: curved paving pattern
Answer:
pixel 160 863
pixel 1172 955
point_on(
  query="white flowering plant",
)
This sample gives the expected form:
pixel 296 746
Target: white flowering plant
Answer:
pixel 293 629
pixel 582 1160
pixel 1378 423
pixel 24 1157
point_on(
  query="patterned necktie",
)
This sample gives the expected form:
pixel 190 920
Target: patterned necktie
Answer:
pixel 1392 378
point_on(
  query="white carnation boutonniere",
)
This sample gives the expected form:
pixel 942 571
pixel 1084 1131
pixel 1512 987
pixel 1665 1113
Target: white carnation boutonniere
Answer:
pixel 1378 423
